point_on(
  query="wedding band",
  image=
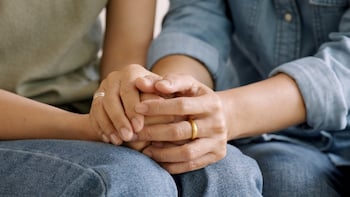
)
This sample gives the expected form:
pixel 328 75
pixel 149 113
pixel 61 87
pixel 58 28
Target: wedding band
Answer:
pixel 194 129
pixel 99 94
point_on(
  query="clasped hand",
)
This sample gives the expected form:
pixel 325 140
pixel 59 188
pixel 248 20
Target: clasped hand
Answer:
pixel 150 113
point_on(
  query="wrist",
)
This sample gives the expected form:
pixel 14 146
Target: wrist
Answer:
pixel 78 127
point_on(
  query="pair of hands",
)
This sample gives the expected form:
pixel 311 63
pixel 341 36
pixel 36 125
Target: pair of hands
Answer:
pixel 150 113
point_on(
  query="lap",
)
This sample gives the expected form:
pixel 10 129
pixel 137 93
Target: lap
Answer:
pixel 78 168
pixel 235 175
pixel 294 170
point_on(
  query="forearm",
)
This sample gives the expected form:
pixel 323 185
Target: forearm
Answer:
pixel 129 31
pixel 22 118
pixel 180 64
pixel 262 107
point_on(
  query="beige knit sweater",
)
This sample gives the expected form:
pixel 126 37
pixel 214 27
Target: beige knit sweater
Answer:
pixel 48 48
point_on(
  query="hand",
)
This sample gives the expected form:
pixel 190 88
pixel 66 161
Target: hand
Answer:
pixel 150 120
pixel 194 101
pixel 112 112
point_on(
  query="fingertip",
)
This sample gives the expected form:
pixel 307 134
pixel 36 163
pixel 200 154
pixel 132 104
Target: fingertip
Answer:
pixel 137 123
pixel 146 83
pixel 105 138
pixel 164 86
pixel 126 134
pixel 115 140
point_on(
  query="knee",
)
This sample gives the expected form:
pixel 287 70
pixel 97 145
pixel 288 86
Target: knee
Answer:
pixel 235 175
pixel 290 169
pixel 78 168
pixel 130 173
pixel 240 170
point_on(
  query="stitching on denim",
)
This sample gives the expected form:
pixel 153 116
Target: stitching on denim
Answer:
pixel 43 154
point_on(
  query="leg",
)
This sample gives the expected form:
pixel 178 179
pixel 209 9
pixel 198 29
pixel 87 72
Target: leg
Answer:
pixel 294 170
pixel 235 175
pixel 79 168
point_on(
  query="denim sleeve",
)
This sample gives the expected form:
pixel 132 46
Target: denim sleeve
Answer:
pixel 196 28
pixel 324 80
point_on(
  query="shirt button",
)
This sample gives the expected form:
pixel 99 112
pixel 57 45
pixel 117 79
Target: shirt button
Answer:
pixel 288 17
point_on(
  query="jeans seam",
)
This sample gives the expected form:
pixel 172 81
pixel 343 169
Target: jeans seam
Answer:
pixel 47 155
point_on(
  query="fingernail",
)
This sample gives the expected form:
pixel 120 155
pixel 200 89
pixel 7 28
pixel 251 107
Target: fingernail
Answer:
pixel 166 82
pixel 115 140
pixel 126 134
pixel 147 80
pixel 105 138
pixel 141 108
pixel 137 124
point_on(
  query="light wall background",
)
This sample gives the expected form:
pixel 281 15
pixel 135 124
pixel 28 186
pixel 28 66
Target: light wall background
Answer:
pixel 162 7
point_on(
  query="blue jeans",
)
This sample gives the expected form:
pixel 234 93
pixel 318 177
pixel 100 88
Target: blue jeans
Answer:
pixel 297 170
pixel 80 168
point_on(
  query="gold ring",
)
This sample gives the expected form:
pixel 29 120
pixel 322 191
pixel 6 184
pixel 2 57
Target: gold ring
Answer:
pixel 99 94
pixel 194 129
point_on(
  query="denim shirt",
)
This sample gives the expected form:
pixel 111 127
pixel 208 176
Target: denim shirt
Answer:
pixel 244 41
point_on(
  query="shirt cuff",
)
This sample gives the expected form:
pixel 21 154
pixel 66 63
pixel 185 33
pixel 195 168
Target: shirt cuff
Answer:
pixel 177 43
pixel 322 93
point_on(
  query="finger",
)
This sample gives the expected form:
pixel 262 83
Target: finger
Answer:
pixel 184 84
pixel 166 132
pixel 169 144
pixel 115 111
pixel 192 156
pixel 102 124
pixel 184 130
pixel 182 153
pixel 163 119
pixel 138 146
pixel 179 105
pixel 149 96
pixel 101 119
pixel 149 120
pixel 130 96
pixel 146 84
pixel 182 167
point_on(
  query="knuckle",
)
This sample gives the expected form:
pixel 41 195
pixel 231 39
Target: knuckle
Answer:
pixel 219 126
pixel 216 105
pixel 193 165
pixel 126 88
pixel 189 152
pixel 177 131
pixel 182 105
pixel 146 134
pixel 221 154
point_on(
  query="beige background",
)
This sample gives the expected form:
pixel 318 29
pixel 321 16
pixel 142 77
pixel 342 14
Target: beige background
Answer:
pixel 162 7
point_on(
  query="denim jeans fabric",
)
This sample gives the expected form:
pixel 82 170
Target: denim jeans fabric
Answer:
pixel 79 168
pixel 290 169
pixel 235 175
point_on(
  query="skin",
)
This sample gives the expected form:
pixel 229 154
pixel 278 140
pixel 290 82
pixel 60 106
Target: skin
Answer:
pixel 124 50
pixel 22 118
pixel 220 116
